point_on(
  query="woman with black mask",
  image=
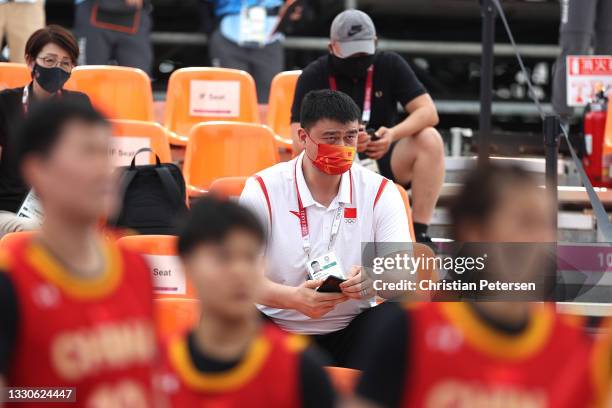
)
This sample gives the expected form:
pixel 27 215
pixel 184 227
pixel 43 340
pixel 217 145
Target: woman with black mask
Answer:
pixel 50 53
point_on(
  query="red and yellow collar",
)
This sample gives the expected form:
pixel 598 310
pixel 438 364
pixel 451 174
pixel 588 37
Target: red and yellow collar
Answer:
pixel 48 267
pixel 496 343
pixel 234 378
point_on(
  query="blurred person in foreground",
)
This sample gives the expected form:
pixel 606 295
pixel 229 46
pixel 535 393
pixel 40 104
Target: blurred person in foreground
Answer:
pixel 51 53
pixel 504 353
pixel 232 357
pixel 75 310
pixel 409 152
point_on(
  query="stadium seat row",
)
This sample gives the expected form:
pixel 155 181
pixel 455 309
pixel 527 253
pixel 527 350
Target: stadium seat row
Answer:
pixel 194 95
pixel 211 111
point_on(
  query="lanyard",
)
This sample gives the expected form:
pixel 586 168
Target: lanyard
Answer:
pixel 303 215
pixel 24 99
pixel 26 96
pixel 367 94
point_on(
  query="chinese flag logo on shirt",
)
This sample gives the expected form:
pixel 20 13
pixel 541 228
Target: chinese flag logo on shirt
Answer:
pixel 350 213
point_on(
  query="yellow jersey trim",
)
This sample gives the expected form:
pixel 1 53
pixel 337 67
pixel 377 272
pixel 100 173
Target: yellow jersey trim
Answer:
pixel 600 369
pixel 296 343
pixel 4 260
pixel 231 379
pixel 48 267
pixel 498 344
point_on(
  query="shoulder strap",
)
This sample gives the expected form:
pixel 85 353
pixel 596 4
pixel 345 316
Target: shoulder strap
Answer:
pixel 126 179
pixel 169 185
pixel 265 191
pixel 383 183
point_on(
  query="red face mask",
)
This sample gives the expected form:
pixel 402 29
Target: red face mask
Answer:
pixel 332 159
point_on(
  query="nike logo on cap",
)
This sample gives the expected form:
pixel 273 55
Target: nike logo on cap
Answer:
pixel 356 29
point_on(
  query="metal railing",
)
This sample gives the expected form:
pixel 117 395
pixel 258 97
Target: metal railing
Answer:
pixel 446 48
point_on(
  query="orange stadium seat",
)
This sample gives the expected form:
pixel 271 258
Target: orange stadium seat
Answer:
pixel 225 149
pixel 131 135
pixel 160 252
pixel 228 187
pixel 406 199
pixel 282 91
pixel 208 94
pixel 13 75
pixel 174 316
pixel 343 379
pixel 119 92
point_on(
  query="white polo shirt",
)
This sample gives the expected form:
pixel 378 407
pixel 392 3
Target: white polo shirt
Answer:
pixel 286 259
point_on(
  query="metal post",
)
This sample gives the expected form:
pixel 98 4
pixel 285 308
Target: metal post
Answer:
pixel 552 131
pixel 350 4
pixel 489 15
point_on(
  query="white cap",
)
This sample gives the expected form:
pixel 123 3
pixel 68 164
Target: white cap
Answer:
pixel 353 32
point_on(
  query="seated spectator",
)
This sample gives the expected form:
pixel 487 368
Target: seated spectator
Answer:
pixel 75 309
pixel 51 53
pixel 318 206
pixel 410 152
pixel 472 353
pixel 221 246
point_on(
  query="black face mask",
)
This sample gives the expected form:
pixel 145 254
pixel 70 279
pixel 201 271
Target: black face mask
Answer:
pixel 50 79
pixel 352 67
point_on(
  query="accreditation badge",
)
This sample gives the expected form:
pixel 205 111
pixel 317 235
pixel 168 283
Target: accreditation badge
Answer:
pixel 31 208
pixel 324 266
pixel 253 25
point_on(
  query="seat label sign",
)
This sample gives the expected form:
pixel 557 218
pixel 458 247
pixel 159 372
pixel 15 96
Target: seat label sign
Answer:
pixel 587 75
pixel 123 148
pixel 31 208
pixel 219 99
pixel 167 273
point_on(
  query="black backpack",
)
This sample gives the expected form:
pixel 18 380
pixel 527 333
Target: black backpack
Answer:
pixel 153 197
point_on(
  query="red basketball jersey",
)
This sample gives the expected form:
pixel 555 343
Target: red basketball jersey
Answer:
pixel 96 335
pixel 267 376
pixel 455 360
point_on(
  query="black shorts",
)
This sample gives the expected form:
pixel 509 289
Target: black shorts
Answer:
pixel 384 165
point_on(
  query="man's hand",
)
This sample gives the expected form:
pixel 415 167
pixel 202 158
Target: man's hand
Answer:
pixel 134 3
pixel 362 140
pixel 358 285
pixel 314 304
pixel 377 148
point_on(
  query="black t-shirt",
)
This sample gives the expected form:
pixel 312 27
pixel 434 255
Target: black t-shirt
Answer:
pixel 394 82
pixel 387 364
pixel 12 188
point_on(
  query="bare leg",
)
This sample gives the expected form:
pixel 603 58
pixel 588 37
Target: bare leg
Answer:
pixel 420 160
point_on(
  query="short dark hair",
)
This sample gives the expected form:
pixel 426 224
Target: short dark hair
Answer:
pixel 55 34
pixel 482 193
pixel 327 104
pixel 211 219
pixel 42 128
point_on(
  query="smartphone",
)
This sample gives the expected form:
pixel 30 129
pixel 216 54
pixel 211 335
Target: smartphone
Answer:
pixel 331 285
pixel 373 136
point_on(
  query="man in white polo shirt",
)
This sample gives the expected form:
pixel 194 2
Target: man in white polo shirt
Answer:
pixel 316 207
